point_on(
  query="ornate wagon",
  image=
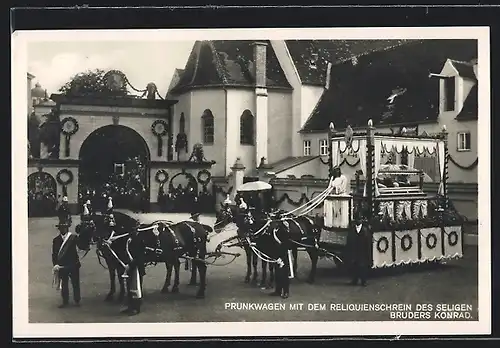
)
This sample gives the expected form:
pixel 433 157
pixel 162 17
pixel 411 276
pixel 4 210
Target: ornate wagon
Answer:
pixel 407 224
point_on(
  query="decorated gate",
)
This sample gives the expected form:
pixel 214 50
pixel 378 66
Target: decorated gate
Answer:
pixel 184 192
pixel 42 195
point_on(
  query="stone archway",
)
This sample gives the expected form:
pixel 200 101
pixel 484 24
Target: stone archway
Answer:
pixel 114 161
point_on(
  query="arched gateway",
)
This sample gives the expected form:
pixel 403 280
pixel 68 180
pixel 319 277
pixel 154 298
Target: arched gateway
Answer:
pixel 114 159
pixel 122 146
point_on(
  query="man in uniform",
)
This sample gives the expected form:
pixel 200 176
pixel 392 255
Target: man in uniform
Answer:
pixel 63 212
pixel 359 245
pixel 134 272
pixel 66 263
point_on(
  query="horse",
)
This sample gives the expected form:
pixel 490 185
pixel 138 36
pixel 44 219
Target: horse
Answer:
pixel 231 214
pixel 169 242
pixel 303 232
pixel 110 244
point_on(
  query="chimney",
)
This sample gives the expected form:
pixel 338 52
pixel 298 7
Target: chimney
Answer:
pixel 260 63
pixel 328 73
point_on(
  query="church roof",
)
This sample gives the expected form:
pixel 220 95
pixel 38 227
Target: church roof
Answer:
pixel 304 52
pixel 227 63
pixel 470 109
pixel 465 69
pixel 362 91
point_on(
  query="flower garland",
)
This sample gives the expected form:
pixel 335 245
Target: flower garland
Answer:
pixel 453 241
pixel 431 241
pixel 200 175
pixel 383 249
pixel 69 126
pixel 302 200
pixel 406 242
pixel 163 131
pixel 470 167
pixel 64 172
pixel 159 133
pixel 161 174
pixel 344 161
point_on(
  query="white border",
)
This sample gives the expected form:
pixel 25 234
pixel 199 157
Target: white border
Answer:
pixel 23 329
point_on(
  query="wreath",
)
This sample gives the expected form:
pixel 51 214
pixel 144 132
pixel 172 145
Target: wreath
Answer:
pixel 159 128
pixel 385 242
pixel 406 242
pixel 200 175
pixel 431 241
pixel 453 241
pixel 69 126
pixel 64 172
pixel 161 174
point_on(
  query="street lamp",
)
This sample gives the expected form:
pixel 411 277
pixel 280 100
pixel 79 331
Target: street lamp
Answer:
pixel 331 131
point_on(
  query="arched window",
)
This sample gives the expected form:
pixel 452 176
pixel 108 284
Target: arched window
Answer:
pixel 247 128
pixel 207 120
pixel 182 124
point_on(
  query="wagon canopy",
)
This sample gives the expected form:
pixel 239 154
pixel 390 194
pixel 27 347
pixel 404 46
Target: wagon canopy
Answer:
pixel 386 144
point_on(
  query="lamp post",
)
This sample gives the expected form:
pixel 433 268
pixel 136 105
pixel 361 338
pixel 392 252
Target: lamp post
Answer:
pixel 331 132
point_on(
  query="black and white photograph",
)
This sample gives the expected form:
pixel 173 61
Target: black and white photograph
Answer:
pixel 238 182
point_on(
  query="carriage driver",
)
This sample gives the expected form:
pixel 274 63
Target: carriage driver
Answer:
pixel 134 273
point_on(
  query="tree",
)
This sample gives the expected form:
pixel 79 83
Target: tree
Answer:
pixel 91 83
pixel 50 133
pixel 34 135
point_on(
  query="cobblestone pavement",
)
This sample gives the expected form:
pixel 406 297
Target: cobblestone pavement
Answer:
pixel 455 282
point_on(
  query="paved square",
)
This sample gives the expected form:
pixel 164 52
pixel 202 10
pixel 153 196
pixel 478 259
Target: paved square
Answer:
pixel 455 282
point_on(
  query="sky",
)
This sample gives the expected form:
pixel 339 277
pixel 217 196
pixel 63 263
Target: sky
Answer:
pixel 54 63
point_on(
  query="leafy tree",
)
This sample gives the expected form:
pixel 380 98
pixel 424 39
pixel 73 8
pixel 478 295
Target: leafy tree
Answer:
pixel 34 135
pixel 50 133
pixel 91 83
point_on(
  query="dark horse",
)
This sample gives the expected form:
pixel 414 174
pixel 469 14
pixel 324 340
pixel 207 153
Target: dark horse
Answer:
pixel 170 242
pixel 110 237
pixel 302 232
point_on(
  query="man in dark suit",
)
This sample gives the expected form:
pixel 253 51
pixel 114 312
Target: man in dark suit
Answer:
pixel 359 247
pixel 135 271
pixel 66 263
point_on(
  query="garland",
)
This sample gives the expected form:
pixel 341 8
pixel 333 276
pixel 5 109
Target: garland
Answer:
pixel 64 183
pixel 303 200
pixel 344 161
pixel 71 131
pixel 383 249
pixel 68 173
pixel 453 241
pixel 200 175
pixel 161 133
pixel 159 174
pixel 406 246
pixel 470 167
pixel 68 133
pixel 431 241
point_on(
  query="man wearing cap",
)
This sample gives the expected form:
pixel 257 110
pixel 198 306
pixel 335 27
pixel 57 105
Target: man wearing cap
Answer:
pixel 66 263
pixel 358 247
pixel 63 212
